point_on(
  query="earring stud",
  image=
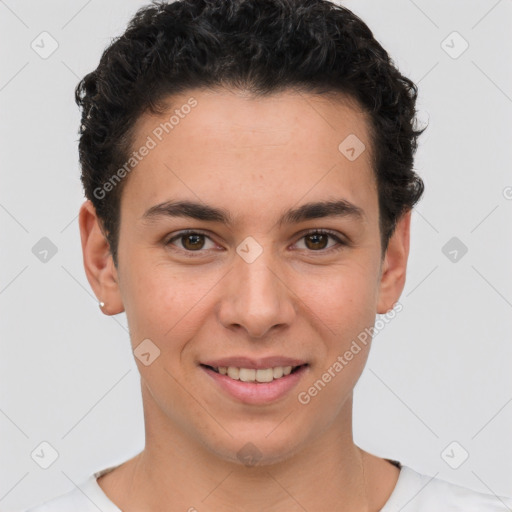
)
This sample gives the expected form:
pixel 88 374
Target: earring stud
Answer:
pixel 101 304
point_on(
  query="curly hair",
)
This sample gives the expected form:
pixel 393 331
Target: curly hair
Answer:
pixel 259 46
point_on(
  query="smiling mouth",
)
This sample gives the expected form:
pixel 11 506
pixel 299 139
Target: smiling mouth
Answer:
pixel 263 375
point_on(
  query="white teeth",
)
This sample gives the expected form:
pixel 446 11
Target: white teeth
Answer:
pixel 266 375
pixel 233 372
pixel 252 375
pixel 247 375
pixel 278 372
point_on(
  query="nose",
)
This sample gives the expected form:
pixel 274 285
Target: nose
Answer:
pixel 256 297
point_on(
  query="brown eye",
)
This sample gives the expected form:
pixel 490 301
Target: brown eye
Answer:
pixel 317 241
pixel 191 241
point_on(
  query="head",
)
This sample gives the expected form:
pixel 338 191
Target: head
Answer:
pixel 276 118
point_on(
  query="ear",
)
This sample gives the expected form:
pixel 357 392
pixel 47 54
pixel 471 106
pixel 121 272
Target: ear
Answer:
pixel 98 263
pixel 394 268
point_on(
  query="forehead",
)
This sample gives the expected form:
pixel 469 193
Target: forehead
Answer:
pixel 227 146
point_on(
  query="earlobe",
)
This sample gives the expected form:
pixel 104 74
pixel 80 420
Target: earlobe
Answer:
pixel 98 263
pixel 393 276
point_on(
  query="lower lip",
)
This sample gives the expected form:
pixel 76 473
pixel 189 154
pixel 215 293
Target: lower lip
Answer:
pixel 257 392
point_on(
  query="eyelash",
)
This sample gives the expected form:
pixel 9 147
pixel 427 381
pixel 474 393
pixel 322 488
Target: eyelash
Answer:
pixel 332 234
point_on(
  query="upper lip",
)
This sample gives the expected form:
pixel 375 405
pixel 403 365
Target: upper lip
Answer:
pixel 256 364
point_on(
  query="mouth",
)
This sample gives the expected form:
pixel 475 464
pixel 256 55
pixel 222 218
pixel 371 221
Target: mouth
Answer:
pixel 265 380
pixel 264 385
pixel 258 376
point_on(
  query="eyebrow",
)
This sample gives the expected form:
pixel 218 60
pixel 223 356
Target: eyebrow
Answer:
pixel 199 211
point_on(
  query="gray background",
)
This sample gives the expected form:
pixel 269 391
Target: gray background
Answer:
pixel 438 373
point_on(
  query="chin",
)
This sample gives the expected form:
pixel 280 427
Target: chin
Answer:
pixel 257 446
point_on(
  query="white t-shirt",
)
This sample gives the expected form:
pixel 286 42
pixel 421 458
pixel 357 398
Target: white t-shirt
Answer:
pixel 413 492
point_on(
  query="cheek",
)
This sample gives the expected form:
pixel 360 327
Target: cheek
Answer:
pixel 341 308
pixel 164 303
pixel 341 302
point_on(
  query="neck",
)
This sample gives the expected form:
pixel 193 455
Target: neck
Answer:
pixel 176 472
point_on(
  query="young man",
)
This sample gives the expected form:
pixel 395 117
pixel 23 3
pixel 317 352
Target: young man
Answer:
pixel 248 172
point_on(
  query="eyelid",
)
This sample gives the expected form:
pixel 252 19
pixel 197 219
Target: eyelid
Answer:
pixel 341 242
pixel 185 232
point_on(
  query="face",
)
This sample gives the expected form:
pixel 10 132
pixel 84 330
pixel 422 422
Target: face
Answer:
pixel 276 262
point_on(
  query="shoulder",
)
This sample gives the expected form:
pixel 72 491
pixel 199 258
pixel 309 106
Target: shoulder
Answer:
pixel 68 501
pixel 72 500
pixel 423 493
pixel 88 497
